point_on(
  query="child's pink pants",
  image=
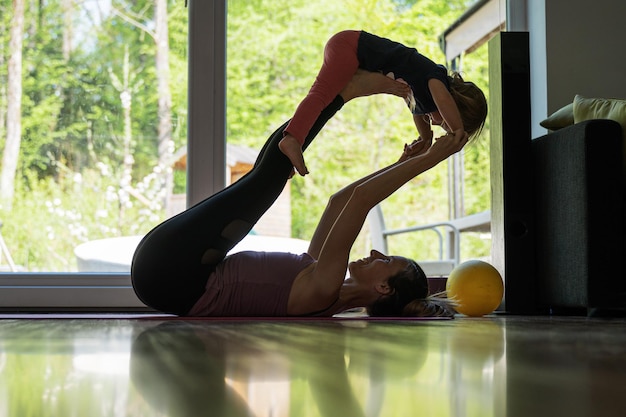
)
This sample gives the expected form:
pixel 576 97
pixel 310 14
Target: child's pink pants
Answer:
pixel 340 64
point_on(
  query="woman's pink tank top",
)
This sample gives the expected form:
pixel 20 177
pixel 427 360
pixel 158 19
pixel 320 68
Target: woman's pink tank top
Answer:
pixel 251 284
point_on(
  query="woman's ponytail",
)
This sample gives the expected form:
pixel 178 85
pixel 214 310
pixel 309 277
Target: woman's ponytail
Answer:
pixel 431 306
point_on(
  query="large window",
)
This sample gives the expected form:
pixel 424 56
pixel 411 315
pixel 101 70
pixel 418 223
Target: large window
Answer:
pixel 94 144
pixel 95 98
pixel 107 129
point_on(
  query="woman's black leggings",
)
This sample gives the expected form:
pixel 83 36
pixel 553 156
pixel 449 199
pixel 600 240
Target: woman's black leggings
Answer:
pixel 173 261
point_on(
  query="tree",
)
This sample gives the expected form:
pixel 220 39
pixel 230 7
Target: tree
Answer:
pixel 160 36
pixel 14 107
pixel 127 85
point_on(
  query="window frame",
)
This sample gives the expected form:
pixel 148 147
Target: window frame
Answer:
pixel 206 143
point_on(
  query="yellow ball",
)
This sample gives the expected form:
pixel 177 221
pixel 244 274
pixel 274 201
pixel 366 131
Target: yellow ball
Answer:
pixel 477 288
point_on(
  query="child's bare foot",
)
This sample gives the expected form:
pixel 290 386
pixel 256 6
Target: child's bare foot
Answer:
pixel 366 83
pixel 293 150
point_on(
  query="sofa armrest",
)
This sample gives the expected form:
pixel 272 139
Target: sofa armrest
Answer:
pixel 579 216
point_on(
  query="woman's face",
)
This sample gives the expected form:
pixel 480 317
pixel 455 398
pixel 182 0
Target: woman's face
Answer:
pixel 377 266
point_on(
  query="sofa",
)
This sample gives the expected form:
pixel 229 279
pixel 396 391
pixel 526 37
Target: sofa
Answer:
pixel 579 183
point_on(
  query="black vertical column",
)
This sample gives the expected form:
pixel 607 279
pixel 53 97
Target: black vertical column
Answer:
pixel 511 169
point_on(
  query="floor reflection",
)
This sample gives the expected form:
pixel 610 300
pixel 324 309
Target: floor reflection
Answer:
pixel 501 366
pixel 278 370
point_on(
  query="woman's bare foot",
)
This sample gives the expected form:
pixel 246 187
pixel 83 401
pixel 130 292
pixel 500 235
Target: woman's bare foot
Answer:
pixel 366 83
pixel 293 150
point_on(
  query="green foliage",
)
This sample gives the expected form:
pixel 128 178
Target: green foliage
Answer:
pixel 71 185
pixel 43 233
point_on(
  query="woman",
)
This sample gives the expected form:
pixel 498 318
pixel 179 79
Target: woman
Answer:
pixel 433 97
pixel 181 267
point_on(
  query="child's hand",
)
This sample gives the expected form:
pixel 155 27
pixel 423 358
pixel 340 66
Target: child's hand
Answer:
pixel 417 147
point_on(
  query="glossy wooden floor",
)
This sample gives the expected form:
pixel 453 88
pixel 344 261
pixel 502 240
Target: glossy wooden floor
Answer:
pixel 499 366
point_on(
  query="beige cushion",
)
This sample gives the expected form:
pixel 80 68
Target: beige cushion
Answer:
pixel 559 119
pixel 600 108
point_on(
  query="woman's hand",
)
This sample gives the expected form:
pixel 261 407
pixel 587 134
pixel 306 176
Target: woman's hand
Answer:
pixel 400 88
pixel 448 144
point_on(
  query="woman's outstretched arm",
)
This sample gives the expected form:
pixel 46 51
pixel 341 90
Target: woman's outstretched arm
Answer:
pixel 338 200
pixel 326 278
